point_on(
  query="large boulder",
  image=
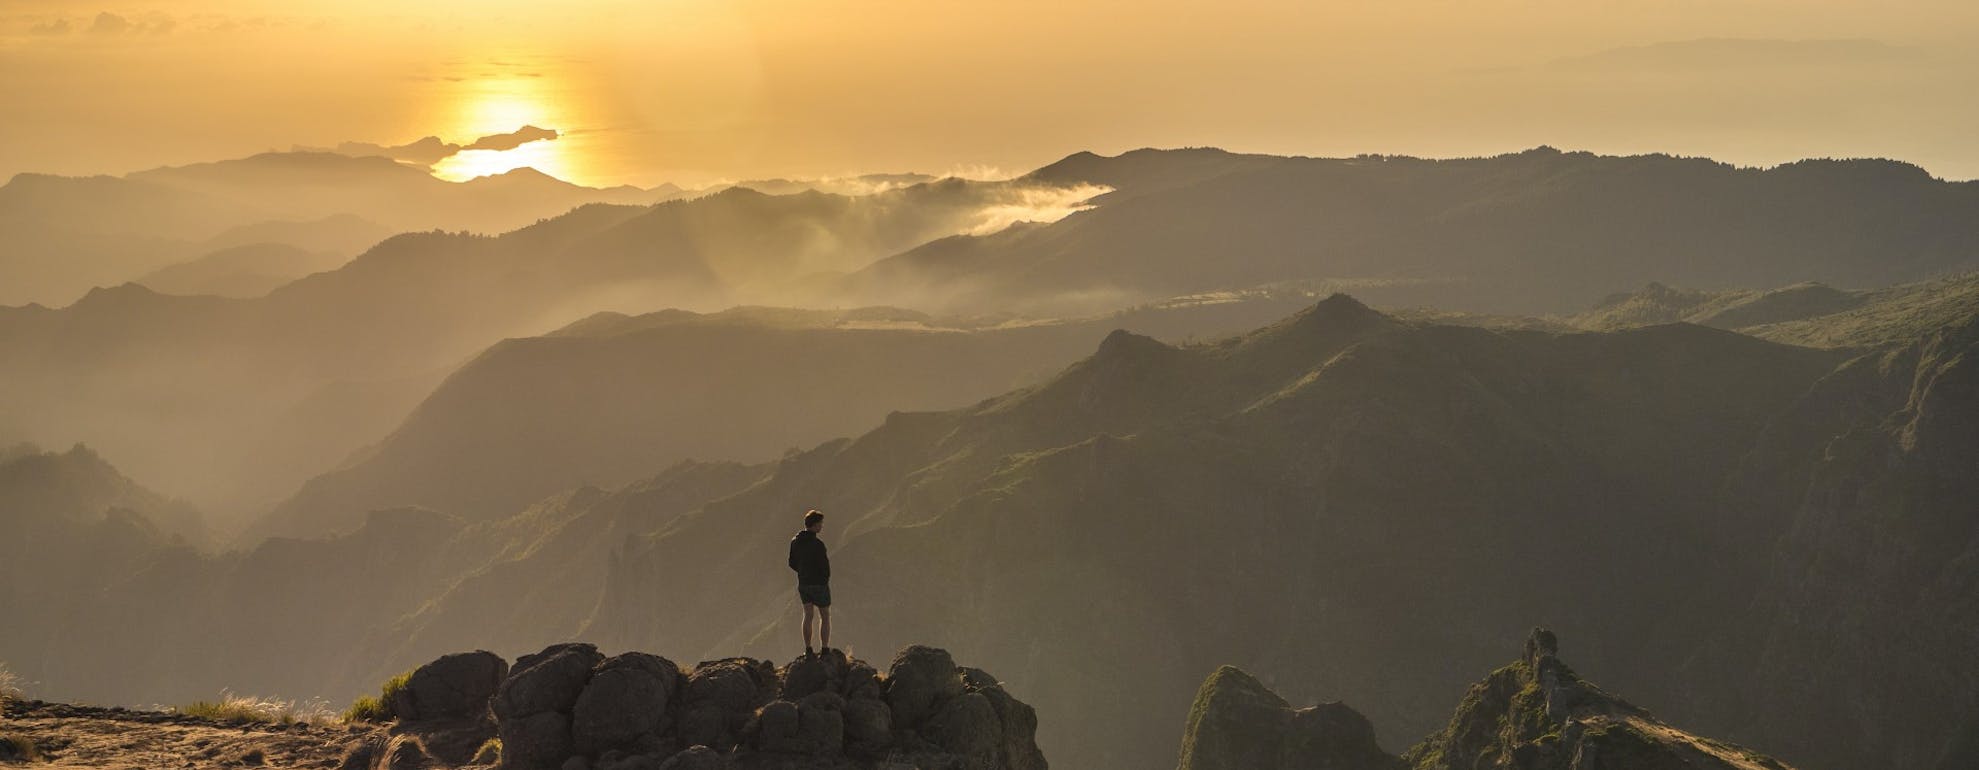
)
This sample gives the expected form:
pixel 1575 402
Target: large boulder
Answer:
pixel 1018 720
pixel 733 685
pixel 967 725
pixel 533 706
pixel 540 740
pixel 809 674
pixel 868 726
pixel 454 687
pixel 625 703
pixel 549 680
pixel 919 678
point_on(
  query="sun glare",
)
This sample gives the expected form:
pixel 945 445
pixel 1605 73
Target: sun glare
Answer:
pixel 492 106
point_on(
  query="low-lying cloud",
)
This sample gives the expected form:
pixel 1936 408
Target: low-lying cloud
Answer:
pixel 1036 204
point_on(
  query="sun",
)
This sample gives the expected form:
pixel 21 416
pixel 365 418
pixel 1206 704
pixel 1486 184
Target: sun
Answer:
pixel 490 106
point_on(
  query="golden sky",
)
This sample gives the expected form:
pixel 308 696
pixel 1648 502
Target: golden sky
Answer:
pixel 692 91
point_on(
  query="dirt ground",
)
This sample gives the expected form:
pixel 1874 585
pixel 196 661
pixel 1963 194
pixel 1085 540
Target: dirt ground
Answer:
pixel 87 736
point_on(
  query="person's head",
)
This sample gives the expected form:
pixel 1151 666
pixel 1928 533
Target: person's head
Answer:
pixel 813 520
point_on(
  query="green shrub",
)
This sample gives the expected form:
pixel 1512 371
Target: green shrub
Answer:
pixel 367 709
pixel 377 708
pixel 490 753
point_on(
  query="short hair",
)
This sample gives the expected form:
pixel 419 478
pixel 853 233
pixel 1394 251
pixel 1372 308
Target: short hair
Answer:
pixel 812 517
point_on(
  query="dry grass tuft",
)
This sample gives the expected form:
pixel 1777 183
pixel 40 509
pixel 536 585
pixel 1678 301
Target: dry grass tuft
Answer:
pixel 10 685
pixel 250 708
pixel 15 748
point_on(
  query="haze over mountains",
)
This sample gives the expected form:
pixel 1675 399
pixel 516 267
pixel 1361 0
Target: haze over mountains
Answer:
pixel 273 389
pixel 1102 452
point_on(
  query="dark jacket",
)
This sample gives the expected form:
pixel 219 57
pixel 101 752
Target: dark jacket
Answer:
pixel 807 557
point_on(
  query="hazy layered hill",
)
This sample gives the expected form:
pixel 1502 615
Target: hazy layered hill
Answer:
pixel 60 236
pixel 240 271
pixel 1539 231
pixel 608 399
pixel 71 526
pixel 1810 314
pixel 1341 463
pixel 273 389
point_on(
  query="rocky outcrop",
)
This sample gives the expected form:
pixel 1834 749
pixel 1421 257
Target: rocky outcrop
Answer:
pixel 1239 724
pixel 456 686
pixel 569 706
pixel 1534 714
pixel 1537 714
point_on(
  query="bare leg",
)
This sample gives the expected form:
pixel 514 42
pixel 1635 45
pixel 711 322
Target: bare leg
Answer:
pixel 807 626
pixel 824 630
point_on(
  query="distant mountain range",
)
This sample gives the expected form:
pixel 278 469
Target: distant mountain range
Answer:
pixel 61 236
pixel 287 382
pixel 1537 232
pixel 1349 504
pixel 603 423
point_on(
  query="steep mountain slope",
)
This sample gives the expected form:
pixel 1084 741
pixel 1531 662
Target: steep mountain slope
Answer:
pixel 1335 467
pixel 608 399
pixel 1527 233
pixel 1873 591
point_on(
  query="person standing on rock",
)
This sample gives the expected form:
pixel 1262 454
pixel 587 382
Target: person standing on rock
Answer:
pixel 813 567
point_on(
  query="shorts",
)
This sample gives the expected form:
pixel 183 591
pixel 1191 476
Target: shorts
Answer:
pixel 818 595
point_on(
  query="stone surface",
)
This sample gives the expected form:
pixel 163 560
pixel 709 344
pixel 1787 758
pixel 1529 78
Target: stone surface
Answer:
pixel 550 680
pixel 967 725
pixel 694 758
pixel 537 740
pixel 626 700
pixel 868 725
pixel 919 677
pixel 457 686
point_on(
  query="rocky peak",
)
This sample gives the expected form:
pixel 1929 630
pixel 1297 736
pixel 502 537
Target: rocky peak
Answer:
pixel 1237 723
pixel 1534 714
pixel 1537 714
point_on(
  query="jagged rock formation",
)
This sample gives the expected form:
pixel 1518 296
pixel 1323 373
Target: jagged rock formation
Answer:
pixel 570 706
pixel 1239 724
pixel 1535 714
